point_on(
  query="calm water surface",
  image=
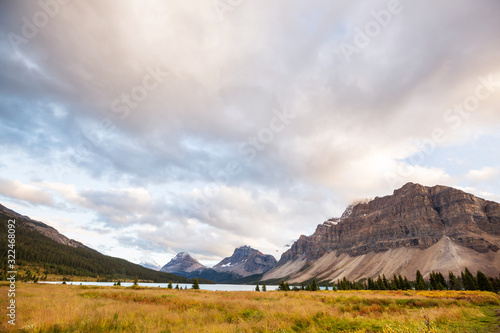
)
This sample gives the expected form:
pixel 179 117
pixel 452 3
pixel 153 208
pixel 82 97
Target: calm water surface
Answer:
pixel 213 287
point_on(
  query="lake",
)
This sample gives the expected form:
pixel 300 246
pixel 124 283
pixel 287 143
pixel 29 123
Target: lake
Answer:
pixel 213 287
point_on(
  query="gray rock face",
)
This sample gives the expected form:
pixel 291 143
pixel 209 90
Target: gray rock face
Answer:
pixel 414 218
pixel 246 261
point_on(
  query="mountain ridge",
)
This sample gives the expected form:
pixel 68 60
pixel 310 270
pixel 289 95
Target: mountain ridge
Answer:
pixel 413 219
pixel 42 246
pixel 245 261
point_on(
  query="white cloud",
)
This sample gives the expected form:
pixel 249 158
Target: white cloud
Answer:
pixel 486 174
pixel 25 192
pixel 75 96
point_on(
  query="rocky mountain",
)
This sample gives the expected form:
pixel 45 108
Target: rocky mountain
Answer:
pixel 150 264
pixel 246 261
pixel 182 263
pixel 427 228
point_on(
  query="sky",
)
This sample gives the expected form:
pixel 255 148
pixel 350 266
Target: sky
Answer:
pixel 147 128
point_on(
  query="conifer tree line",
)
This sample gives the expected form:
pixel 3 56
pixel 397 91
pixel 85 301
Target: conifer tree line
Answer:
pixel 437 281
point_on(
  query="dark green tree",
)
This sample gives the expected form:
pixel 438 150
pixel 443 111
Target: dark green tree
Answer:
pixel 419 282
pixel 264 287
pixel 483 282
pixel 407 284
pixel 453 281
pixel 380 284
pixel 136 281
pixel 314 285
pixel 371 284
pixel 395 283
pixel 195 285
pixel 170 285
pixel 469 281
pixel 257 288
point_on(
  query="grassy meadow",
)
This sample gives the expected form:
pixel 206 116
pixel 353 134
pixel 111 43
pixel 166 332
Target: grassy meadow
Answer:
pixel 66 308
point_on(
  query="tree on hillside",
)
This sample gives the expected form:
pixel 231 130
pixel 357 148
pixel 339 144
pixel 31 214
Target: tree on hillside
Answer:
pixel 282 286
pixel 407 284
pixel 453 281
pixel 395 283
pixel 314 286
pixel 195 285
pixel 419 282
pixel 483 282
pixel 469 281
pixel 380 284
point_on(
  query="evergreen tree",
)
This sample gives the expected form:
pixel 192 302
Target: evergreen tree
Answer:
pixel 395 283
pixel 195 285
pixel 483 282
pixel 264 287
pixel 177 287
pixel 302 287
pixel 371 284
pixel 419 282
pixel 386 283
pixel 314 286
pixel 380 284
pixel 453 281
pixel 136 281
pixel 401 282
pixel 170 285
pixel 407 284
pixel 282 286
pixel 469 281
pixel 432 281
pixel 257 288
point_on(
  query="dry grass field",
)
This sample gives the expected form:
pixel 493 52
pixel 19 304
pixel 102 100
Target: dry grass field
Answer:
pixel 65 308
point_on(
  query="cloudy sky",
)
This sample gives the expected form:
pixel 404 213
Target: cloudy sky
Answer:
pixel 145 128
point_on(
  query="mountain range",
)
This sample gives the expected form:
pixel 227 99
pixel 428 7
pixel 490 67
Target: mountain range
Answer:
pixel 422 228
pixel 244 262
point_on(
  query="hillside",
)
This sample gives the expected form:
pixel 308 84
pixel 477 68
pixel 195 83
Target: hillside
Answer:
pixel 40 245
pixel 426 228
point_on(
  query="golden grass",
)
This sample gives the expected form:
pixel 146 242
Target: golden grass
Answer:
pixel 66 308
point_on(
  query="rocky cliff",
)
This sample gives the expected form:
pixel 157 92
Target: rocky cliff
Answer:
pixel 246 261
pixel 428 228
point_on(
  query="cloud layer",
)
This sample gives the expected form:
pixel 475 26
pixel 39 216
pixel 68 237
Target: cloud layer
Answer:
pixel 206 125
